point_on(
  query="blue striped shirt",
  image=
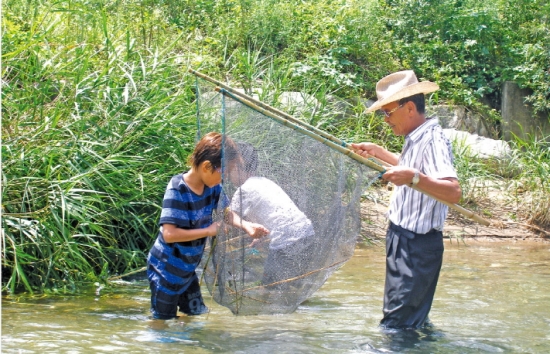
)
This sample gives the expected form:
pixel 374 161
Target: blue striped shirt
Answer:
pixel 429 151
pixel 176 262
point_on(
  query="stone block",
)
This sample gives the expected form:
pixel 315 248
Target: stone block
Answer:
pixel 518 117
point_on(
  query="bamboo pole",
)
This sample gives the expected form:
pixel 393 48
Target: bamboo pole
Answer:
pixel 268 107
pixel 279 113
pixel 345 151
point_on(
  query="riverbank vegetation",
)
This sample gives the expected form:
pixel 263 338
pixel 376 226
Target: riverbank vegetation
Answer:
pixel 98 109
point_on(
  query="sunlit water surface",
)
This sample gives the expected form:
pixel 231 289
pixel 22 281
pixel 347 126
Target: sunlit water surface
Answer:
pixel 491 298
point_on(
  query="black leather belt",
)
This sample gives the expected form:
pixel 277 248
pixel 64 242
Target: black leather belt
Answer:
pixel 407 233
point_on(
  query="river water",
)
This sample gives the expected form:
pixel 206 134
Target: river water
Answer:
pixel 492 297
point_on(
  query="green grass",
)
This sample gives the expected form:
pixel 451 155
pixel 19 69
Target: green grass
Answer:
pixel 98 111
pixel 93 125
pixel 531 187
pixel 522 178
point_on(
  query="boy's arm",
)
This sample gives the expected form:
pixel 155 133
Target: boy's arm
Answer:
pixel 171 233
pixel 252 229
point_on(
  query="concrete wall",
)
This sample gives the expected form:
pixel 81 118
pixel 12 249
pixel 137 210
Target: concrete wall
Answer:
pixel 518 117
pixel 460 118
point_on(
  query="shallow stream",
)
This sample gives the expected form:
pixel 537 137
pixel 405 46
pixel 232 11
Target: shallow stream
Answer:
pixel 492 297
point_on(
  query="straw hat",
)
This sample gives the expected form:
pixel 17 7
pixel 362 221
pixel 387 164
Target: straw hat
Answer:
pixel 399 85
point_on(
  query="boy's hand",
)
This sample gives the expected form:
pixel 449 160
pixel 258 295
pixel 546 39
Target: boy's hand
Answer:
pixel 259 242
pixel 255 230
pixel 212 230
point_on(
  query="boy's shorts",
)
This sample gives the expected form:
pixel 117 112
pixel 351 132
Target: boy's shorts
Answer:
pixel 165 303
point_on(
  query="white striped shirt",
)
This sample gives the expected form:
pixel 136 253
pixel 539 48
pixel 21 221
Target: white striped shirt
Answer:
pixel 429 151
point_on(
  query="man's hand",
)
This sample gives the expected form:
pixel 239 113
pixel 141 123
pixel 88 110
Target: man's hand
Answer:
pixel 365 149
pixel 399 175
pixel 372 150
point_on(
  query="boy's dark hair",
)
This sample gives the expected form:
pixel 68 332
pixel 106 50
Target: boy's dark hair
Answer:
pixel 418 100
pixel 249 156
pixel 209 148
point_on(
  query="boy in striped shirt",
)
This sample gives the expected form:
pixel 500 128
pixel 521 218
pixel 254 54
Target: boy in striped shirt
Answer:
pixel 185 223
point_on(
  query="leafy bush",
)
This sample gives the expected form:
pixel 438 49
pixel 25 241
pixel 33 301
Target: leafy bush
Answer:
pixel 470 48
pixel 529 25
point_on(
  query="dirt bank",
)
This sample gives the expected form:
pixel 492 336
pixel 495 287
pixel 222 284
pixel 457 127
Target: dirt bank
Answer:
pixel 502 228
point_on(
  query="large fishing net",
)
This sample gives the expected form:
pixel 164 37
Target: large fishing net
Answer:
pixel 304 192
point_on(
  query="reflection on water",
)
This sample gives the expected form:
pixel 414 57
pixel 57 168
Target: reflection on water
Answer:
pixel 491 298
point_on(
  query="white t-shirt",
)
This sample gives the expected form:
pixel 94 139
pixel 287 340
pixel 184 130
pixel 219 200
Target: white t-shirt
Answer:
pixel 262 201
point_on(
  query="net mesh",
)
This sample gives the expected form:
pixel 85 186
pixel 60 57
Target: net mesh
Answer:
pixel 303 191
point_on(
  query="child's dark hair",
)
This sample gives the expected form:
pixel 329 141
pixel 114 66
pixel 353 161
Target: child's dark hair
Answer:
pixel 249 155
pixel 209 148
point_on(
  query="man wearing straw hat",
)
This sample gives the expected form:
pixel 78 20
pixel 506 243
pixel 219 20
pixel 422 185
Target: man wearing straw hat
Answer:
pixel 414 239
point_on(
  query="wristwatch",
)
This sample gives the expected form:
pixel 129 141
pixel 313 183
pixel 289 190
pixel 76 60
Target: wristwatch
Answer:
pixel 416 178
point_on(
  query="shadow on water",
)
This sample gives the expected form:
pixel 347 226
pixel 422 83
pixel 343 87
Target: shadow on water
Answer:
pixel 402 340
pixel 425 340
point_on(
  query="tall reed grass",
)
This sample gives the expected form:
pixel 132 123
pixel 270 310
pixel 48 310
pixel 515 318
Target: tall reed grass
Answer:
pixel 94 122
pixel 531 188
